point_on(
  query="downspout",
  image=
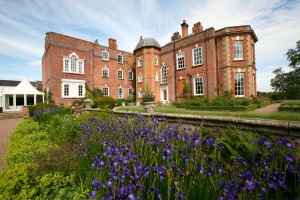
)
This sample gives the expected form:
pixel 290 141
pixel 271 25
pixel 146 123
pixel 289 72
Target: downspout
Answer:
pixel 91 63
pixel 174 55
pixel 218 64
pixel 206 68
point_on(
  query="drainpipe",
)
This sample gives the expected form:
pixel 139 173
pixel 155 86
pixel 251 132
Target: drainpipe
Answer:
pixel 191 81
pixel 91 63
pixel 206 68
pixel 218 63
pixel 174 55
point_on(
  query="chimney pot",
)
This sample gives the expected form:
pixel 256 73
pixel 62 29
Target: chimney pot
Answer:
pixel 184 27
pixel 197 28
pixel 112 43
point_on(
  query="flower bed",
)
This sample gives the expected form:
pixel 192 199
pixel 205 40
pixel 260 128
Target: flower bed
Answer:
pixel 143 158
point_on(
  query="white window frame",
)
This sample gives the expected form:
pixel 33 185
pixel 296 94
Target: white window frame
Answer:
pixel 140 62
pixel 197 56
pixel 120 74
pixel 239 84
pixel 156 61
pixel 104 73
pixel 121 59
pixel 198 82
pixel 104 92
pixel 120 95
pixel 130 75
pixel 162 90
pixel 73 64
pixel 105 55
pixel 180 60
pixel 163 75
pixel 66 90
pixel 238 52
pixel 80 90
pixel 141 93
pixel 156 79
pixel 140 78
pixel 130 92
pixel 73 88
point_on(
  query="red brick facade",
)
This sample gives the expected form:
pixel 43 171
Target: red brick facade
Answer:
pixel 214 62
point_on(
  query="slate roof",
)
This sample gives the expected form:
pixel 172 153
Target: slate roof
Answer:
pixel 147 42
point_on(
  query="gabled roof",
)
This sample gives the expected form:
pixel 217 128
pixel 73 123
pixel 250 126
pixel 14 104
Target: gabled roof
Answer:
pixel 24 87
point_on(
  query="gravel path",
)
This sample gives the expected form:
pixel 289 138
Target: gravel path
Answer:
pixel 7 126
pixel 268 109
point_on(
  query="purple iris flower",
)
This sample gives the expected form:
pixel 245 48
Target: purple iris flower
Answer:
pixel 290 146
pixel 250 185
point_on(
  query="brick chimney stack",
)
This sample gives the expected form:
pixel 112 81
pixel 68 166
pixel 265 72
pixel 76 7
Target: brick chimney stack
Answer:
pixel 112 43
pixel 175 36
pixel 197 28
pixel 184 27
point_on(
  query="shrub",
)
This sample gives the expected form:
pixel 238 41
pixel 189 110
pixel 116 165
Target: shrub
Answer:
pixel 41 106
pixel 105 102
pixel 63 127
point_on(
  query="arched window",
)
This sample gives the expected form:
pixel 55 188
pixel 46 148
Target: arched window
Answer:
pixel 73 63
pixel 163 76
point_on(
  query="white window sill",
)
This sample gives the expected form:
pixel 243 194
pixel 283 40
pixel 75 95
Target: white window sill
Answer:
pixel 72 72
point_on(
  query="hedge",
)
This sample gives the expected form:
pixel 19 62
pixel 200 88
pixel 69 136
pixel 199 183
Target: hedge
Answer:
pixel 289 109
pixel 217 108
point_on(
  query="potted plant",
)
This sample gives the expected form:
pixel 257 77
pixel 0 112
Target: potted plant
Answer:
pixel 148 100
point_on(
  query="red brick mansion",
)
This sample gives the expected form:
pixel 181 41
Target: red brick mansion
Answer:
pixel 208 62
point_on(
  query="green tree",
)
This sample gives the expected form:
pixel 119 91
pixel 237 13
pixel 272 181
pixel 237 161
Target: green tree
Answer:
pixel 289 83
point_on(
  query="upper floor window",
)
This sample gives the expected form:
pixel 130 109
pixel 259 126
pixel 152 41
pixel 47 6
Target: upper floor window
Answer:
pixel 130 75
pixel 120 74
pixel 120 58
pixel 156 77
pixel 105 72
pixel 156 60
pixel 238 49
pixel 120 93
pixel 163 75
pixel 198 86
pixel 180 60
pixel 73 64
pixel 105 55
pixel 197 56
pixel 105 91
pixel 140 62
pixel 239 84
pixel 140 78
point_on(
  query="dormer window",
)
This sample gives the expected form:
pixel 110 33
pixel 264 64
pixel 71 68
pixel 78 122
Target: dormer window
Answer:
pixel 73 64
pixel 105 55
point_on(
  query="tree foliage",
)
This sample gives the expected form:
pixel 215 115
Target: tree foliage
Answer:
pixel 288 83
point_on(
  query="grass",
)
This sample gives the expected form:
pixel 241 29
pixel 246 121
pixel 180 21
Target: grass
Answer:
pixel 289 116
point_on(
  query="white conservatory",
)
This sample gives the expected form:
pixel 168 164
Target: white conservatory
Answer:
pixel 15 98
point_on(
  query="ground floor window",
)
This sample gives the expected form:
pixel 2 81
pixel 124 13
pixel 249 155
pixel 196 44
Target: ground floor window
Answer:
pixel 130 92
pixel 72 88
pixel 120 93
pixel 105 91
pixel 239 84
pixel 164 94
pixel 198 86
pixel 141 94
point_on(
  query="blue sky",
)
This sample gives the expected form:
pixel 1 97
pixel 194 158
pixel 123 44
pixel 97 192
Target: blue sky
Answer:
pixel 24 23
